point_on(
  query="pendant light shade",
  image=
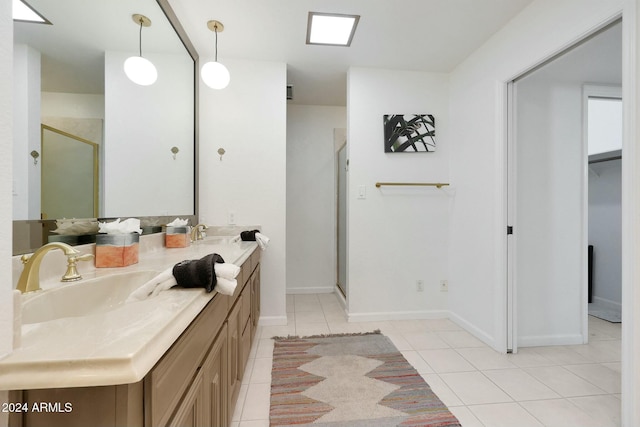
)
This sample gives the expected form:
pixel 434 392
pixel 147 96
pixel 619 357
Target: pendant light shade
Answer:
pixel 214 74
pixel 140 70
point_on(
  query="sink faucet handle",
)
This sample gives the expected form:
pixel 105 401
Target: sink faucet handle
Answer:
pixel 72 271
pixel 25 258
pixel 197 232
pixel 85 257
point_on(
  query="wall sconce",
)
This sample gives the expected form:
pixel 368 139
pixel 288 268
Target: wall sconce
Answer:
pixel 140 70
pixel 35 156
pixel 221 152
pixel 175 150
pixel 214 74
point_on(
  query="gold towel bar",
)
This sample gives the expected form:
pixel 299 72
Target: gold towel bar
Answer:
pixel 419 184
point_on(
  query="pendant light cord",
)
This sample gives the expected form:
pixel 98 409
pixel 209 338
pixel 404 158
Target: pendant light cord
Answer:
pixel 140 38
pixel 215 30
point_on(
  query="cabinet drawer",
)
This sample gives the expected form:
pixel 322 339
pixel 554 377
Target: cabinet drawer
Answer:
pixel 168 380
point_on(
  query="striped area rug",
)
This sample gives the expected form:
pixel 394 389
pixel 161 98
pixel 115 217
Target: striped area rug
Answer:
pixel 353 380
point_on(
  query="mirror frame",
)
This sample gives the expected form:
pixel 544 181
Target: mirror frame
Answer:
pixel 150 224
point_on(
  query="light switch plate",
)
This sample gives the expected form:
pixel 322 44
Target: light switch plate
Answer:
pixel 362 192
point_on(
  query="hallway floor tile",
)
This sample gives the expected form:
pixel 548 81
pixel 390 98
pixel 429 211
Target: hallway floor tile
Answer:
pixel 568 386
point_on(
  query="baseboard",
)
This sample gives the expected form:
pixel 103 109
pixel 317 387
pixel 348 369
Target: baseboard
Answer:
pixel 398 315
pixel 316 290
pixel 340 297
pixel 607 303
pixel 272 321
pixel 474 330
pixel 549 340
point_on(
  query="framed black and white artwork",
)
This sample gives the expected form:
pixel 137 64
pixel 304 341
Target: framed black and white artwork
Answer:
pixel 410 133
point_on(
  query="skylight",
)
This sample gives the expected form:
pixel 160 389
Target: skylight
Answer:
pixel 331 29
pixel 25 13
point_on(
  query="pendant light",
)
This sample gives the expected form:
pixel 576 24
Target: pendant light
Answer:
pixel 140 70
pixel 214 74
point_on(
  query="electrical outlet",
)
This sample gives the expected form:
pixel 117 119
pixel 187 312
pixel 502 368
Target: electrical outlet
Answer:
pixel 419 285
pixel 231 220
pixel 444 286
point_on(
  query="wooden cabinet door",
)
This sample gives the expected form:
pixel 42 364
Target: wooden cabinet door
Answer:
pixel 215 380
pixel 245 345
pixel 233 351
pixel 191 411
pixel 255 297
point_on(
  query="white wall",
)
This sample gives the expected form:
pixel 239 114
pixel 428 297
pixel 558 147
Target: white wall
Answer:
pixel 477 284
pixel 311 206
pixel 6 143
pixel 397 235
pixel 142 123
pixel 605 230
pixel 248 120
pixel 549 212
pixel 26 125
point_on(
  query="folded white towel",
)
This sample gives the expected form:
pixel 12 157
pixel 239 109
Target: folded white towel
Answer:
pixel 163 286
pixel 262 240
pixel 225 286
pixel 226 270
pixel 149 287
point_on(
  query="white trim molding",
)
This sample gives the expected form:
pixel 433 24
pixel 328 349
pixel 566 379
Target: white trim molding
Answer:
pixel 478 333
pixel 398 315
pixel 630 217
pixel 272 321
pixel 310 290
pixel 549 340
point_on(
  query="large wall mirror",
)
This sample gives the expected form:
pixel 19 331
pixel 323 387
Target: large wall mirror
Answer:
pixel 69 80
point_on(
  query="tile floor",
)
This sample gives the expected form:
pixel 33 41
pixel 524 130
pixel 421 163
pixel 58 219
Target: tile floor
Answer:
pixel 565 386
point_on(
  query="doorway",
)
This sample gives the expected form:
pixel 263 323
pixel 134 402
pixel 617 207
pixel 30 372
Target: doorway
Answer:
pixel 548 192
pixel 69 175
pixel 603 123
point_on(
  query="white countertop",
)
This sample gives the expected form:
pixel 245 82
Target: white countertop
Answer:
pixel 119 346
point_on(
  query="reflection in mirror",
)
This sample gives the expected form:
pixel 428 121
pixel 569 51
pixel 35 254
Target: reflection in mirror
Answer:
pixel 70 76
pixel 69 175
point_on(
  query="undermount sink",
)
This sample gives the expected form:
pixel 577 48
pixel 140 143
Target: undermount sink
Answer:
pixel 84 297
pixel 217 240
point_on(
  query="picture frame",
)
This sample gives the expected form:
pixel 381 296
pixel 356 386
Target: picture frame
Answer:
pixel 409 133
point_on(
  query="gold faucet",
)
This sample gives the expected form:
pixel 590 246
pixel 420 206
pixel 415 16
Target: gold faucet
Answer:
pixel 196 232
pixel 29 280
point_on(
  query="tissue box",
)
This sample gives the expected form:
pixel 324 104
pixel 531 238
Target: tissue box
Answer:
pixel 117 250
pixel 177 237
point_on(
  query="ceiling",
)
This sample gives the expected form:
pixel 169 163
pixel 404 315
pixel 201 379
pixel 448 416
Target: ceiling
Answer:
pixel 422 35
pixel 72 48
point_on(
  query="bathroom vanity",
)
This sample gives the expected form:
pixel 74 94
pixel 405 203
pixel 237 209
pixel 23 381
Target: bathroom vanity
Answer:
pixel 189 376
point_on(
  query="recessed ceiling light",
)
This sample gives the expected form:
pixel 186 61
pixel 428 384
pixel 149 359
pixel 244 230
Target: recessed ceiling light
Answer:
pixel 331 28
pixel 25 13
